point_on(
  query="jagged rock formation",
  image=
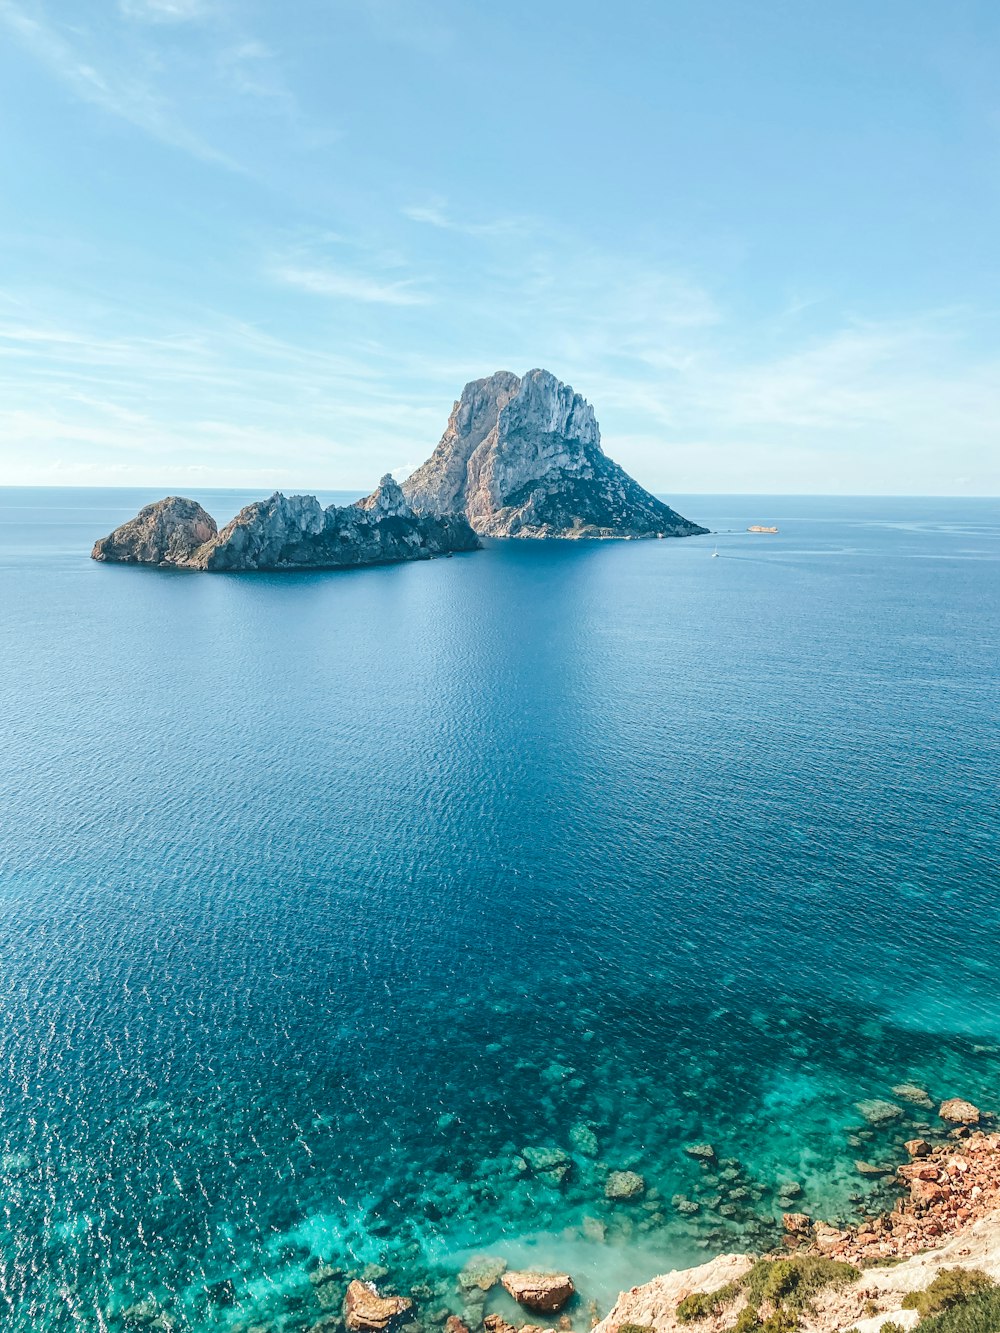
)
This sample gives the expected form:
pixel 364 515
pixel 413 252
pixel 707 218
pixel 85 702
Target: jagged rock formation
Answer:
pixel 166 533
pixel 523 458
pixel 287 532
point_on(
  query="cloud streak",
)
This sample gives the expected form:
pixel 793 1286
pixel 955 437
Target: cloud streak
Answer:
pixel 435 214
pixel 123 96
pixel 340 284
pixel 165 11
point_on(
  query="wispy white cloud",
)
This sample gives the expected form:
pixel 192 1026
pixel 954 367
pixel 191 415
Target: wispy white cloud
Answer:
pixel 434 213
pixel 690 396
pixel 120 94
pixel 250 68
pixel 165 11
pixel 219 399
pixel 324 280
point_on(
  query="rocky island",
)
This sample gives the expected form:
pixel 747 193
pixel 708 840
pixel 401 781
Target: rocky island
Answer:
pixel 286 533
pixel 522 457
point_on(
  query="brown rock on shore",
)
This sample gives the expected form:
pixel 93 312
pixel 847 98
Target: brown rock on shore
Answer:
pixel 545 1292
pixel 917 1147
pixel 494 1323
pixel 365 1311
pixel 947 1191
pixel 950 1217
pixel 959 1112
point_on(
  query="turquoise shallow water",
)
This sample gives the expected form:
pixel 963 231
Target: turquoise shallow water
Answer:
pixel 325 896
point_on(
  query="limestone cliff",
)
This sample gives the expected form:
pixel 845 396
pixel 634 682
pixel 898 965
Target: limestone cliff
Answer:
pixel 873 1269
pixel 523 458
pixel 287 532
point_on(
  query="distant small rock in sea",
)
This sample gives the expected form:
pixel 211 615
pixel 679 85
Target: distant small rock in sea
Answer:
pixel 522 457
pixel 286 533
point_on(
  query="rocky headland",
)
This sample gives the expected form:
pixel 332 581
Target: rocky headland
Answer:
pixel 936 1250
pixel 929 1258
pixel 522 457
pixel 885 1269
pixel 286 533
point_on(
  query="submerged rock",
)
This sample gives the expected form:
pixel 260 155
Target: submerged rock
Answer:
pixel 285 533
pixel 328 1282
pixel 145 1314
pixel 790 1189
pixel 878 1112
pixel 584 1140
pixel 702 1152
pixel 545 1292
pixel 624 1185
pixel 365 1311
pixel 916 1096
pixel 871 1169
pixel 549 1163
pixel 523 458
pixel 482 1273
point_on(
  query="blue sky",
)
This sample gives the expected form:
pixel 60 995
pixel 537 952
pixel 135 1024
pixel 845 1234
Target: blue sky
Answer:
pixel 250 243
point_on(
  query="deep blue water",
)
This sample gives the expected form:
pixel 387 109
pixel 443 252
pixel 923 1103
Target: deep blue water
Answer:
pixel 325 895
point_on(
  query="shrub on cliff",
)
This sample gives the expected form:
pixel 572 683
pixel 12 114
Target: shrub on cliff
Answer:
pixel 977 1314
pixel 700 1304
pixel 777 1291
pixel 952 1286
pixel 791 1284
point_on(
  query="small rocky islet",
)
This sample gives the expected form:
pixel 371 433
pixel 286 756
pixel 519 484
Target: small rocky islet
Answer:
pixel 286 533
pixel 520 458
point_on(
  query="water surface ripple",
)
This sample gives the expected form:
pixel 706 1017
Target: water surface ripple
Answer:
pixel 324 896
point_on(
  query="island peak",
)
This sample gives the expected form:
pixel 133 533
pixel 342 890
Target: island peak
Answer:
pixel 522 457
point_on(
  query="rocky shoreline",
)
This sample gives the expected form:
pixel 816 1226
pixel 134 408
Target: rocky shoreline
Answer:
pixel 948 1218
pixel 861 1276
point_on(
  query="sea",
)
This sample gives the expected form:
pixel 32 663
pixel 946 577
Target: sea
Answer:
pixel 362 924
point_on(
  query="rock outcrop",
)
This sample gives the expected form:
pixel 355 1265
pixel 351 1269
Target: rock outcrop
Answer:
pixel 949 1219
pixel 523 458
pixel 545 1292
pixel 166 533
pixel 959 1112
pixel 365 1311
pixel 287 532
pixel 654 1305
